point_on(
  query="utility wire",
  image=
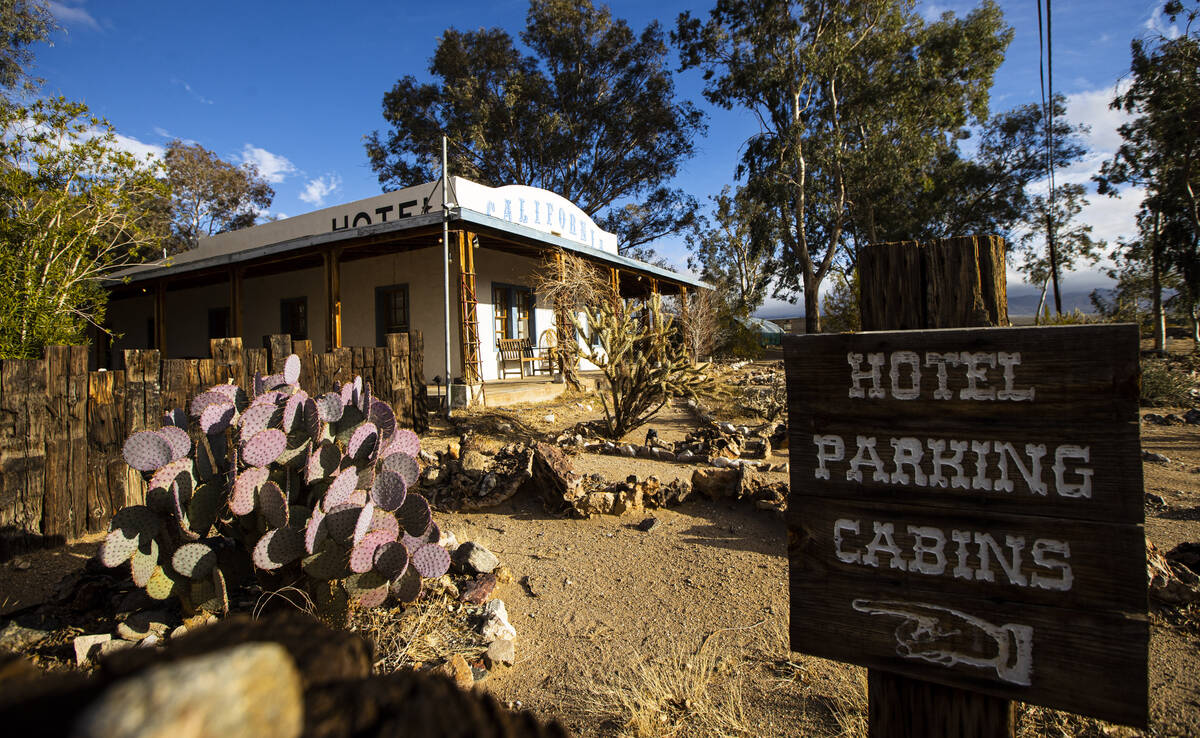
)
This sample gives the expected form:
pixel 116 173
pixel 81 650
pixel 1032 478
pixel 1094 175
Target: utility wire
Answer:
pixel 1046 80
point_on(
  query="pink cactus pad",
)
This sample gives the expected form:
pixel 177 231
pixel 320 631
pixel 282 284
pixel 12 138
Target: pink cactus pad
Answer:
pixel 291 369
pixel 216 417
pixel 431 561
pixel 258 418
pixel 362 526
pixel 277 548
pixel 362 556
pixel 342 487
pixel 404 441
pixel 330 407
pixel 406 587
pixel 177 439
pixel 273 503
pixel 389 490
pixel 245 490
pixel 404 465
pixel 414 515
pixel 391 559
pixel 264 447
pixel 364 442
pixel 147 451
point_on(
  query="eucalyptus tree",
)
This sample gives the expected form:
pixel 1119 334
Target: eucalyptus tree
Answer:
pixel 856 100
pixel 209 195
pixel 589 113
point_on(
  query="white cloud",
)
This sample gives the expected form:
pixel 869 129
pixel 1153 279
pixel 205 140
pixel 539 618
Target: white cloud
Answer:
pixel 140 149
pixel 1092 107
pixel 273 167
pixel 188 89
pixel 72 13
pixel 318 189
pixel 160 131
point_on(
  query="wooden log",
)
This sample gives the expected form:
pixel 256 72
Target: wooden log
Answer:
pixel 308 373
pixel 401 378
pixel 228 353
pixel 106 436
pixel 20 460
pixel 280 347
pixel 256 363
pixel 906 286
pixel 143 408
pixel 420 393
pixel 56 504
pixel 77 400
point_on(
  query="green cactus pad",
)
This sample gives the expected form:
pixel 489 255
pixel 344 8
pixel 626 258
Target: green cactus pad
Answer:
pixel 415 516
pixel 363 442
pixel 194 560
pixel 388 491
pixel 277 548
pixel 273 503
pixel 160 585
pixel 431 561
pixel 406 587
pixel 118 547
pixel 245 490
pixel 146 451
pixel 177 439
pixel 391 559
pixel 404 465
pixel 341 488
pixel 217 417
pixel 265 447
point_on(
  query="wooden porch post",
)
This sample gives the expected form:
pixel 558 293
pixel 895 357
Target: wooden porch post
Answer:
pixel 160 317
pixel 333 293
pixel 468 315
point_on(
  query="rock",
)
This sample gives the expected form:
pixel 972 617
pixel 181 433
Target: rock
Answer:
pixel 720 462
pixel 474 463
pixel 716 483
pixel 502 651
pixel 548 418
pixel 475 559
pixel 554 478
pixel 644 452
pixel 426 457
pixel 1192 416
pixel 727 427
pixel 1154 419
pixel 459 670
pixel 1156 458
pixel 685 456
pixel 88 646
pixel 16 637
pixel 503 574
pixel 179 631
pixel 20 564
pixel 496 623
pixel 487 484
pixel 252 689
pixel 449 541
pixel 454 449
pixel 110 647
pixel 627 450
pixel 663 454
pixel 1154 500
pixel 141 624
pixel 148 642
pixel 443 585
pixel 648 525
pixel 478 591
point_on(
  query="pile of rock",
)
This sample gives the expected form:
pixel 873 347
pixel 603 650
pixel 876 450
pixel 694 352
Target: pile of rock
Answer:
pixel 1191 417
pixel 715 444
pixel 470 476
pixel 1173 577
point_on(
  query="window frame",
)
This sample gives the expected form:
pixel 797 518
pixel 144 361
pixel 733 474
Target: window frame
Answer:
pixel 383 307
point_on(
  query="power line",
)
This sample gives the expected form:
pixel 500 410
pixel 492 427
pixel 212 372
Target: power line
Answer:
pixel 1046 80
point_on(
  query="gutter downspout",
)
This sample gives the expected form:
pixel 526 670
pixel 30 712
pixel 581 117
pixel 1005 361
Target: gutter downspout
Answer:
pixel 446 266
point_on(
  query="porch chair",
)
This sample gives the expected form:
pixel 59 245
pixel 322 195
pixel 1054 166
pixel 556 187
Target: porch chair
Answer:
pixel 547 350
pixel 519 350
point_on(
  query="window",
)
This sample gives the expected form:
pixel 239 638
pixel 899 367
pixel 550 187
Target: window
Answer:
pixel 391 311
pixel 513 308
pixel 218 322
pixel 293 318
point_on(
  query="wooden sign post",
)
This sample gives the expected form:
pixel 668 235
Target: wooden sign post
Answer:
pixel 965 520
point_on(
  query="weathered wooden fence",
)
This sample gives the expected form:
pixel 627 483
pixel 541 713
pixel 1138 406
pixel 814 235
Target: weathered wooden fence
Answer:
pixel 62 427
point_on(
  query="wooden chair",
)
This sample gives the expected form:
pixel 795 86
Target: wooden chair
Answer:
pixel 547 350
pixel 519 350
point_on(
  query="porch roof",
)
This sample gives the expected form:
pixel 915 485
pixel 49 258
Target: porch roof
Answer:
pixel 198 261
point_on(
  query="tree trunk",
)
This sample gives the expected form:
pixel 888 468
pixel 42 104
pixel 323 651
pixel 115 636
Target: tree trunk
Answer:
pixel 1195 328
pixel 1037 318
pixel 1158 317
pixel 812 305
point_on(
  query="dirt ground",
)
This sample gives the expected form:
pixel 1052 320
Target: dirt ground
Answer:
pixel 681 630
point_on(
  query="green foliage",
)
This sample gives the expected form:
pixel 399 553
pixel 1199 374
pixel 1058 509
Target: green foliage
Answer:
pixel 75 210
pixel 738 341
pixel 590 114
pixel 1165 384
pixel 643 362
pixel 1074 317
pixel 210 195
pixel 856 99
pixel 309 493
pixel 730 255
pixel 840 306
pixel 22 24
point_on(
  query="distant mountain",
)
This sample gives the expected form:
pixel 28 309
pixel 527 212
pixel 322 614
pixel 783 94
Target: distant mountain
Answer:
pixel 1022 303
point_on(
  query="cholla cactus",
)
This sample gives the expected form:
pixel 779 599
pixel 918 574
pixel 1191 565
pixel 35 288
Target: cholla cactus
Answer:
pixel 310 490
pixel 644 363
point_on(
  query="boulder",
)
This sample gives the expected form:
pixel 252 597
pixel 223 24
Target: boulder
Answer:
pixel 473 558
pixel 501 652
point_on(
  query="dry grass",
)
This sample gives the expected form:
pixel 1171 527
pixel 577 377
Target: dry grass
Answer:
pixel 684 692
pixel 430 630
pixel 1035 722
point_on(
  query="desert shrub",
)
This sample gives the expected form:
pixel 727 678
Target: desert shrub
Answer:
pixel 739 342
pixel 1164 384
pixel 307 495
pixel 839 307
pixel 1075 317
pixel 643 366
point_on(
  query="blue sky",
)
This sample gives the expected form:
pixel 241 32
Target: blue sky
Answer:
pixel 295 86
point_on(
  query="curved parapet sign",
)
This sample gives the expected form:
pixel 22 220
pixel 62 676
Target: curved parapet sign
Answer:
pixel 534 208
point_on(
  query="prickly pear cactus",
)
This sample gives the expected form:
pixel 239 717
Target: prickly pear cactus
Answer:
pixel 308 491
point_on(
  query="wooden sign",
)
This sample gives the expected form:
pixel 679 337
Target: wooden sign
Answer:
pixel 966 508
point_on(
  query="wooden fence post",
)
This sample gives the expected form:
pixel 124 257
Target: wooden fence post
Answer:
pixel 143 408
pixel 949 283
pixel 227 352
pixel 106 435
pixel 416 380
pixel 401 378
pixel 279 346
